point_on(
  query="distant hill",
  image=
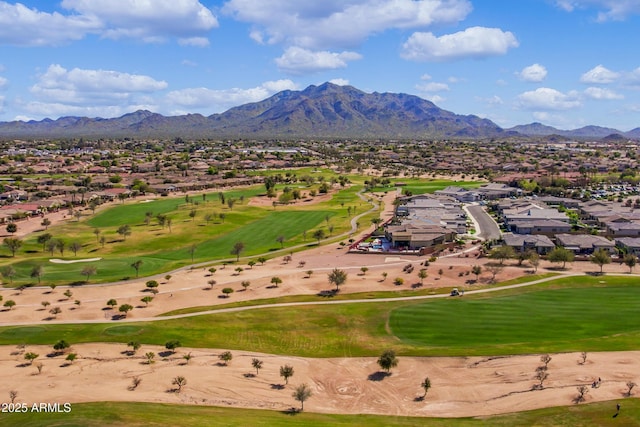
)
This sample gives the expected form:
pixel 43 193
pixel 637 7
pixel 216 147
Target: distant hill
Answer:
pixel 325 111
pixel 595 132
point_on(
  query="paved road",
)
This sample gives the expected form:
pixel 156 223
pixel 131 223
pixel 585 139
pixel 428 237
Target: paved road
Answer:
pixel 488 229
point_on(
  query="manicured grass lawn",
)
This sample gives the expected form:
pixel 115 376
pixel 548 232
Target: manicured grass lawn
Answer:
pixel 422 186
pixel 152 415
pixel 542 321
pixel 599 318
pixel 162 249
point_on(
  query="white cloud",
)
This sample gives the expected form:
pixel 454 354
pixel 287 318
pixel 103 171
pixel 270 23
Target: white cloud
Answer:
pixel 433 87
pixel 149 21
pixel 474 42
pixel 3 82
pixel 602 94
pixel 614 10
pixel 533 73
pixel 22 26
pixel 547 99
pixel 340 82
pixel 599 75
pixel 436 99
pixel 425 77
pixel 336 24
pixel 194 41
pixel 296 60
pixel 221 100
pixel 80 87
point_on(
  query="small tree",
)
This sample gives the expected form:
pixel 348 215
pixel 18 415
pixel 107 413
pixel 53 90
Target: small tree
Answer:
pixel 71 357
pixel 13 244
pixel 541 376
pixel 276 281
pixel 262 260
pixel 46 222
pixel 12 227
pixel 502 253
pixel 494 270
pixel 237 249
pixel 68 293
pixel 388 360
pixel 112 303
pixel 301 394
pixel 426 385
pixel 630 260
pixel 13 394
pixel 245 284
pixel 583 357
pixel 337 277
pixel 61 346
pixel 630 386
pixel 146 300
pixel 124 231
pixel 227 292
pixel 45 304
pixel 545 358
pixel 318 235
pixel 476 270
pixel 179 382
pixel 55 311
pixel 151 284
pixel 364 270
pixel 187 358
pixel 75 247
pixel 257 364
pixel 39 367
pixel 135 346
pixel 226 357
pixel 534 260
pixel 125 308
pixel 89 271
pixel 150 356
pixel 136 266
pixel 398 281
pixel 211 283
pixel 9 304
pixel 582 390
pixel 600 258
pixel 239 270
pixel 286 372
pixel 251 264
pixel 172 345
pixel 384 275
pixel 560 255
pixel 422 274
pixel 30 356
pixel 36 272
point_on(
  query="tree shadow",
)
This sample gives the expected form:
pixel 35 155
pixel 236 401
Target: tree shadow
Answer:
pixel 327 293
pixel 378 376
pixel 249 375
pixel 277 387
pixel 291 411
pixel 418 399
pixel 166 353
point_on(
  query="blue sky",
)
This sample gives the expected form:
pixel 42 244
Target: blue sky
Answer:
pixel 564 63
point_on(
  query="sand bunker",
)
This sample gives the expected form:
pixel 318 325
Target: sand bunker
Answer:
pixel 72 261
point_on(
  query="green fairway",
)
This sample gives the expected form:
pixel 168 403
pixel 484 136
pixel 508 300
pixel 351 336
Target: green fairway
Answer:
pixel 525 320
pixel 115 414
pixel 542 321
pixel 422 186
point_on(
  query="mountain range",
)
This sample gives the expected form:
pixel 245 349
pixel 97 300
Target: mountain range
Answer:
pixel 324 111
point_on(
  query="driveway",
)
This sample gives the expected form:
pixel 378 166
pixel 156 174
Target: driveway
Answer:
pixel 487 227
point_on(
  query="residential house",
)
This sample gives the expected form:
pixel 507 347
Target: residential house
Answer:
pixel 522 242
pixel 584 244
